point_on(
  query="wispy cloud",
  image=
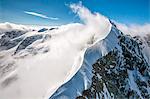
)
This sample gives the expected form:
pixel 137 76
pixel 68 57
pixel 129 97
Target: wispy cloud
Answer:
pixel 134 29
pixel 40 15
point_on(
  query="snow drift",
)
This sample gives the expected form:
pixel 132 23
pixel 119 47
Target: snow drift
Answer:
pixel 38 76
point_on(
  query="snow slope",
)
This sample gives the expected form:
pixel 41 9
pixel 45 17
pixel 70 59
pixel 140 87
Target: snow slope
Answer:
pixel 33 65
pixel 82 79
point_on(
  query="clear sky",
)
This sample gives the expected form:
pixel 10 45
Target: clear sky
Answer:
pixel 56 12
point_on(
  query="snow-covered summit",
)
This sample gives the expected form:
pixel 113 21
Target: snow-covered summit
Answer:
pixel 113 68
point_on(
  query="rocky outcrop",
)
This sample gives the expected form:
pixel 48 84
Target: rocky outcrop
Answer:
pixel 121 74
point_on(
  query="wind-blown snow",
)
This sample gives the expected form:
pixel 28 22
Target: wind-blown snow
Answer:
pixel 6 27
pixel 134 29
pixel 82 79
pixel 39 76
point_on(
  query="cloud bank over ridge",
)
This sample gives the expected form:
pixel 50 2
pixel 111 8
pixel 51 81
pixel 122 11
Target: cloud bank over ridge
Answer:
pixel 134 29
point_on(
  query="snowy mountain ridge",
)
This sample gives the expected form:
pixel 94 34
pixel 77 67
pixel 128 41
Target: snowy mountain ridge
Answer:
pixel 113 68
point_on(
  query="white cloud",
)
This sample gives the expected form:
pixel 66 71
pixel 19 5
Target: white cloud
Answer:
pixel 93 22
pixel 44 73
pixel 134 29
pixel 40 15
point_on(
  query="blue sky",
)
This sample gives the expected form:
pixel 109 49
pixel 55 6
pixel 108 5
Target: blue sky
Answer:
pixel 56 12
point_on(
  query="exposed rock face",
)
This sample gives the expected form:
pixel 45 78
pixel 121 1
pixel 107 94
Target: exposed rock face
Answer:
pixel 120 74
pixel 27 42
pixel 42 30
pixel 10 39
pixel 17 39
